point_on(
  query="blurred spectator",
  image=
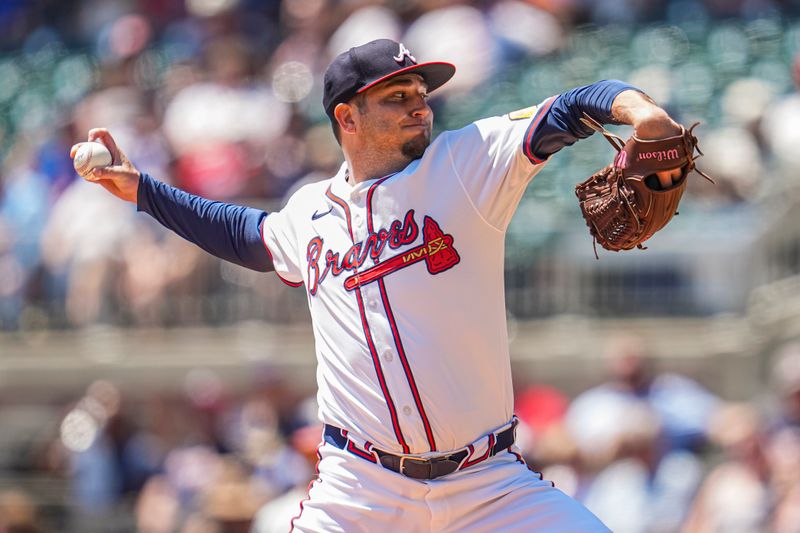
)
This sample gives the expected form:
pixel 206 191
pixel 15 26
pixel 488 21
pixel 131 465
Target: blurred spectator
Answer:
pixel 745 100
pixel 276 515
pixel 539 409
pixel 365 24
pixel 251 430
pixel 218 127
pixel 80 248
pixel 523 30
pixel 777 127
pixel 733 158
pixel 782 453
pixel 17 513
pixel 154 266
pixel 157 508
pixel 463 36
pixel 683 407
pixel 90 440
pixel 620 494
pixel 734 496
pixel 234 497
pixel 786 384
pixel 24 201
pixel 782 449
pixel 635 436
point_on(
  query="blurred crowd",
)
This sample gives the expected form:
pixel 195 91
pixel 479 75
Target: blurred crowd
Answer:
pixel 651 451
pixel 222 98
pixel 203 459
pixel 647 450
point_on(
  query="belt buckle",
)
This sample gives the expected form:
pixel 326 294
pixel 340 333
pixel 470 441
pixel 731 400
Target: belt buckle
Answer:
pixel 415 460
pixel 403 464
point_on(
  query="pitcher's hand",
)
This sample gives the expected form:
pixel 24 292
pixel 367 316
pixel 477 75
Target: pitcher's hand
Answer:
pixel 120 178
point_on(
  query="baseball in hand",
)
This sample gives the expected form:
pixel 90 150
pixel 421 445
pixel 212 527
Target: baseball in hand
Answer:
pixel 90 155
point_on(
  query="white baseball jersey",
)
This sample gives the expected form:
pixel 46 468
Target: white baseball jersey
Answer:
pixel 404 277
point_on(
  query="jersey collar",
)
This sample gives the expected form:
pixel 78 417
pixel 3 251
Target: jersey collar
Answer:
pixel 341 188
pixel 339 185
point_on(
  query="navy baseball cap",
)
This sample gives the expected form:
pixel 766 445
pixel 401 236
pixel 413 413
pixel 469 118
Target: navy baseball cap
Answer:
pixel 364 66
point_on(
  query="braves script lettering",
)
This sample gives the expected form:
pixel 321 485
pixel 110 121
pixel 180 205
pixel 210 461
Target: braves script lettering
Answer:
pixel 399 234
pixel 659 155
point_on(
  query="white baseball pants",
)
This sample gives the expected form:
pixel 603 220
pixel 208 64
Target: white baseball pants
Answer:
pixel 500 494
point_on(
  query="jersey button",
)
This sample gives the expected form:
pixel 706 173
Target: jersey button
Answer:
pixel 355 196
pixel 372 304
pixel 406 410
pixel 388 356
pixel 357 219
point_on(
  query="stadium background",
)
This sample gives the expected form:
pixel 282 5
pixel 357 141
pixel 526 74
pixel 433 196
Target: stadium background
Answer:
pixel 147 387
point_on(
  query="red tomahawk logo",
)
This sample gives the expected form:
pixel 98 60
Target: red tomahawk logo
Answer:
pixel 436 249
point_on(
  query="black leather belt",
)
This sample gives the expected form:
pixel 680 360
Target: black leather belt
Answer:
pixel 422 468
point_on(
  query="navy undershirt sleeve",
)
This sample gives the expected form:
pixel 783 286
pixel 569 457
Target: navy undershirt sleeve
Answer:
pixel 230 232
pixel 561 125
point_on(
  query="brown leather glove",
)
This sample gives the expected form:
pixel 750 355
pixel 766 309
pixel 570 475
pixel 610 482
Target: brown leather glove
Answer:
pixel 624 204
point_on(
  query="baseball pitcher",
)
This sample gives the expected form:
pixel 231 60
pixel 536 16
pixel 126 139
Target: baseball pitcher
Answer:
pixel 401 256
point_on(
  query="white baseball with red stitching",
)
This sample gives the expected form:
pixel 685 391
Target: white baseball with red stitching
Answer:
pixel 91 155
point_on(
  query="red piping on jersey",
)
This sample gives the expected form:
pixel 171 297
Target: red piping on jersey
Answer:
pixel 515 454
pixel 346 208
pixel 352 448
pixel 396 334
pixel 271 260
pixel 308 491
pixel 526 146
pixel 370 344
pixel 522 461
pixel 480 459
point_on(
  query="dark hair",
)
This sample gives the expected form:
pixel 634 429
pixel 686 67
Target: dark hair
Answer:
pixel 360 102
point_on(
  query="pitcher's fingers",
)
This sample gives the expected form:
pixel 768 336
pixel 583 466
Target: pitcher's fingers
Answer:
pixel 74 149
pixel 103 135
pixel 664 179
pixel 107 172
pixel 667 178
pixel 110 186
